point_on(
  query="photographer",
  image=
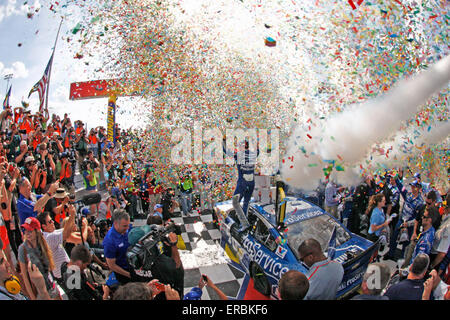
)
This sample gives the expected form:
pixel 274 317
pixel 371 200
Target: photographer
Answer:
pixel 168 203
pixel 22 154
pixel 162 268
pixel 8 206
pixel 57 206
pixel 46 168
pixel 15 141
pixel 90 180
pixel 171 250
pixel 75 282
pixel 81 145
pixel 66 174
pixel 106 206
pixel 93 142
pixel 116 244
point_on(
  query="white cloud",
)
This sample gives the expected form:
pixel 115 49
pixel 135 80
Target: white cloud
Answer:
pixel 18 69
pixel 12 8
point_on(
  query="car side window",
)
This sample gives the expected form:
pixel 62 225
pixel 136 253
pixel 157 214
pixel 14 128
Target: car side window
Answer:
pixel 263 235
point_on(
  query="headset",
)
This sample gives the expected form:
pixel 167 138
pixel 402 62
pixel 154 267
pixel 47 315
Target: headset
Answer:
pixel 12 285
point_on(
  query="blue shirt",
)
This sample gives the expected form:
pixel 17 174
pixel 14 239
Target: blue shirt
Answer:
pixel 377 218
pixel 245 160
pixel 406 290
pixel 425 243
pixel 25 208
pixel 115 246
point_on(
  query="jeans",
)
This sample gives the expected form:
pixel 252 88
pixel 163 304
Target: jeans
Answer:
pixel 185 202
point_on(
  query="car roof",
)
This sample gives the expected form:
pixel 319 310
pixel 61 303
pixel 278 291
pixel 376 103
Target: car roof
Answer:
pixel 297 209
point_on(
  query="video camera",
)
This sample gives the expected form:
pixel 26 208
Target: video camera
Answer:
pixel 148 248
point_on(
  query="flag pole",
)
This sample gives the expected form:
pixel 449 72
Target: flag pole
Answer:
pixel 50 71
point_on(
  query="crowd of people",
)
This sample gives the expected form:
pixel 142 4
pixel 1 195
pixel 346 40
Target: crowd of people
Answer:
pixel 51 242
pixel 410 221
pixel 48 235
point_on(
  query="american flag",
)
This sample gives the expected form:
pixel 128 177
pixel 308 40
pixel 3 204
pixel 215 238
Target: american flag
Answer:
pixel 6 101
pixel 42 85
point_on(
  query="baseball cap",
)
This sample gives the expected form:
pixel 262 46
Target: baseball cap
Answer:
pixel 157 206
pixel 85 211
pixel 416 183
pixel 194 294
pixel 417 175
pixel 31 224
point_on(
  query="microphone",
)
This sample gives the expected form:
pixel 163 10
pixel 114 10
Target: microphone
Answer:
pixel 92 198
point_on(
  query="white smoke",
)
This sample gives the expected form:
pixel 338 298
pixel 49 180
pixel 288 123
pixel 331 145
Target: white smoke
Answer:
pixel 348 137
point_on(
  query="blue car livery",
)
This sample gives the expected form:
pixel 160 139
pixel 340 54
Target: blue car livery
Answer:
pixel 267 249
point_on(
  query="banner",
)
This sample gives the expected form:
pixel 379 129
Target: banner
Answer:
pixel 111 119
pixel 102 89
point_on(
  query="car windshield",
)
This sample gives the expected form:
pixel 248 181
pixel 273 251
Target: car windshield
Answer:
pixel 319 228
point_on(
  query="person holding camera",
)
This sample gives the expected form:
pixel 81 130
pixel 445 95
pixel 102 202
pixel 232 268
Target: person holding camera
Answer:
pixel 170 249
pixel 74 280
pixel 22 154
pixel 163 268
pixel 115 246
pixel 81 144
pixel 108 204
pixel 168 203
pixel 46 168
pixel 8 180
pixel 66 173
pixel 196 292
pixel 57 237
pixel 90 180
pixel 58 207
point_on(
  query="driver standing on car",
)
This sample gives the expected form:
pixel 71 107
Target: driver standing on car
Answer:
pixel 324 275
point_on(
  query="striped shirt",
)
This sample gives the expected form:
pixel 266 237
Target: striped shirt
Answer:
pixel 55 242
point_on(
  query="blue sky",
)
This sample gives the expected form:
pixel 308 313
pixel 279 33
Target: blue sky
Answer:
pixel 25 48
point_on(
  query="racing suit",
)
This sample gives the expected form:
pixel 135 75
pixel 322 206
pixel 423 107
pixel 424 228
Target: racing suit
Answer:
pixel 411 208
pixel 246 161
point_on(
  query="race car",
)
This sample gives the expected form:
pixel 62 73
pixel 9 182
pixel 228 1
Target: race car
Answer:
pixel 265 241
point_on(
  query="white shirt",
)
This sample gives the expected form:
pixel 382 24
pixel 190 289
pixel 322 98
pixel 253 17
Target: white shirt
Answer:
pixel 442 237
pixel 55 242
